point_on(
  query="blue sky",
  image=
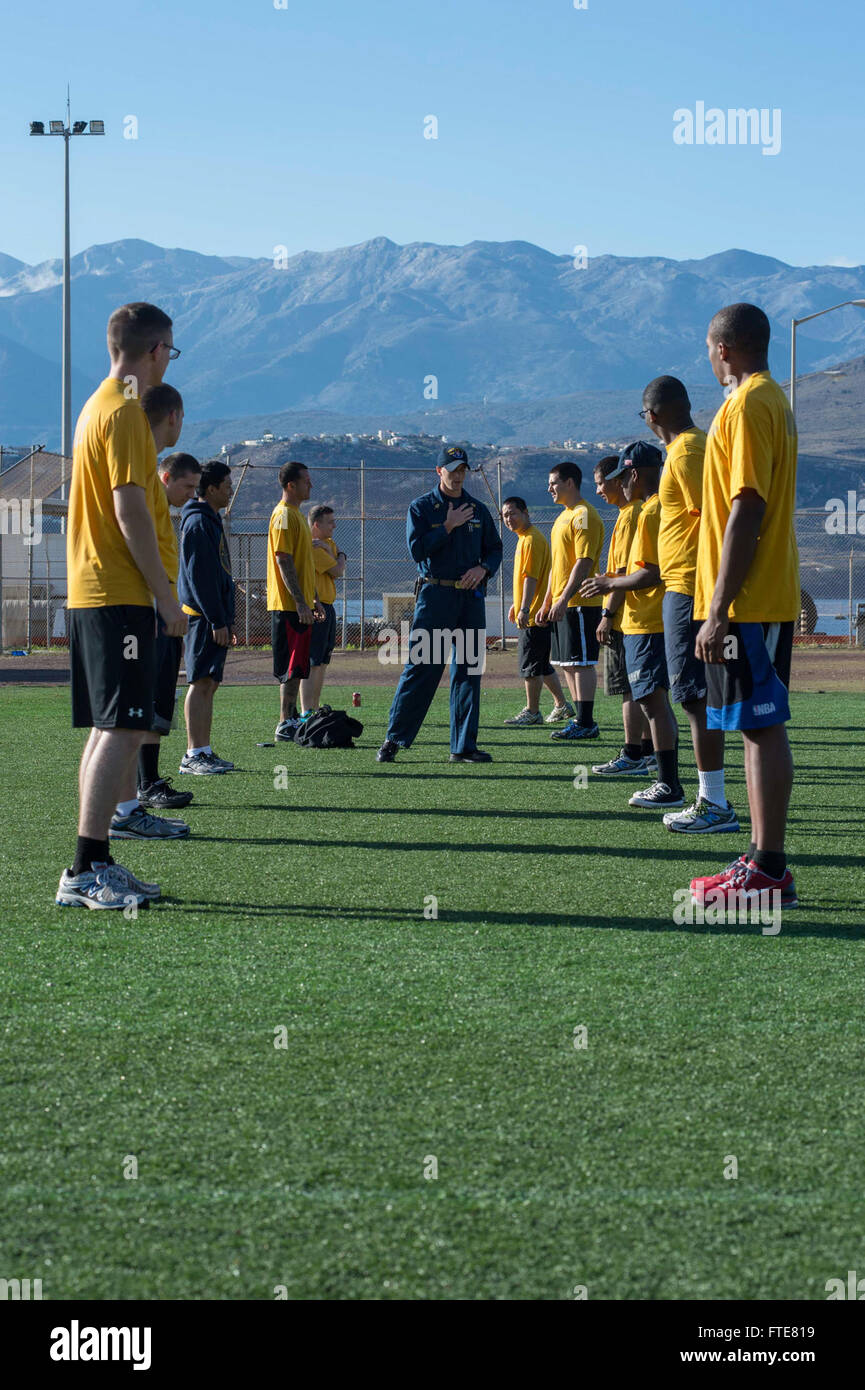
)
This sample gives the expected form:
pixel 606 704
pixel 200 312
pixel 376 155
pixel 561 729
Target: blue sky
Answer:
pixel 303 126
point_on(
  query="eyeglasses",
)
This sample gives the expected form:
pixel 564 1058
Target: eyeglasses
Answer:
pixel 643 413
pixel 173 352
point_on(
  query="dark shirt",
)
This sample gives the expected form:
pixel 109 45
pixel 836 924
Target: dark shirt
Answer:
pixel 440 555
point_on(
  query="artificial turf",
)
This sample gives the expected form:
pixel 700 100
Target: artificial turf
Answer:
pixel 302 1168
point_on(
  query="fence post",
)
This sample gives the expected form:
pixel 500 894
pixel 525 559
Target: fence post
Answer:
pixel 47 593
pixel 246 578
pixel 362 550
pixel 853 635
pixel 29 598
pixel 504 645
pixel 344 605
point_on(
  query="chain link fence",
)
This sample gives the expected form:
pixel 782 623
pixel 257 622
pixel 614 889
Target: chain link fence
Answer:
pixel 377 589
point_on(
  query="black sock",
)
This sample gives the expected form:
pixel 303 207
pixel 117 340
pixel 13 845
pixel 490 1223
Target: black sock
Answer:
pixel 585 713
pixel 632 751
pixel 772 862
pixel 752 849
pixel 668 769
pixel 88 852
pixel 647 748
pixel 148 764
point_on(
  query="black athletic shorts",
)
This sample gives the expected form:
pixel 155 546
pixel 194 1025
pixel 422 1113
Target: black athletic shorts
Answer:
pixel 290 640
pixel 112 659
pixel 323 639
pixel 203 656
pixel 617 667
pixel 168 653
pixel 534 651
pixel 575 641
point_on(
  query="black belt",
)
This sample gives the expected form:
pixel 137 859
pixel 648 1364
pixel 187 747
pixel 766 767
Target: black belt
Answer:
pixel 447 583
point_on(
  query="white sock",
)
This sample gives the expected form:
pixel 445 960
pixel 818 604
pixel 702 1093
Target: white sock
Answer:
pixel 125 808
pixel 190 752
pixel 712 787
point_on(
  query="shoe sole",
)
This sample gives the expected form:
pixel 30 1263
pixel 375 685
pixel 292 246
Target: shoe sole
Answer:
pixel 656 805
pixel 99 907
pixel 523 724
pixel 701 902
pixel 575 738
pixel 596 772
pixel 202 772
pixel 703 829
pixel 132 835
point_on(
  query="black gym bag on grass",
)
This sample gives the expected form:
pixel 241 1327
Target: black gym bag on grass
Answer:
pixel 328 728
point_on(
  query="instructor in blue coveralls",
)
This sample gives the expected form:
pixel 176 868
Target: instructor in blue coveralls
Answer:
pixel 454 542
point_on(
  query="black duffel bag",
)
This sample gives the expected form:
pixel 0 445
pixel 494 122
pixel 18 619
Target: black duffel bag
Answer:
pixel 328 728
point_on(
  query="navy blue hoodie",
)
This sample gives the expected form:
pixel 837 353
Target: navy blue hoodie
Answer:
pixel 204 583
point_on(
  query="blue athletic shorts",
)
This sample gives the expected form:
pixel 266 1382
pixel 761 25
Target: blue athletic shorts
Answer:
pixel 749 690
pixel 646 663
pixel 687 674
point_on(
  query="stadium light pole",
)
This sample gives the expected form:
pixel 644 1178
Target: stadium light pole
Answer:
pixel 67 129
pixel 859 303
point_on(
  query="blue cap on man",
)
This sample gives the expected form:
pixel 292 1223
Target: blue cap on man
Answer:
pixel 453 457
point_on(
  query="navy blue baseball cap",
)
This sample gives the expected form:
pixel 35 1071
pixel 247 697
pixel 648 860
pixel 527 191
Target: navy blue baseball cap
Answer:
pixel 637 455
pixel 453 457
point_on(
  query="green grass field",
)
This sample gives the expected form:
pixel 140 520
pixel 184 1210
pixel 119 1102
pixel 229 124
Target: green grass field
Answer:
pixel 407 1037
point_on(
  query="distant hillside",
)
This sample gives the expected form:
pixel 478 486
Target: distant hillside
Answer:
pixel 362 331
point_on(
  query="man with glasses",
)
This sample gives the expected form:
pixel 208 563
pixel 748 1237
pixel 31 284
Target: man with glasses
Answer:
pixel 115 574
pixel 453 540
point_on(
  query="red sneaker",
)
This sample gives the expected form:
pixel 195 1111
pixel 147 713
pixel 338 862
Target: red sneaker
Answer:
pixel 749 885
pixel 701 886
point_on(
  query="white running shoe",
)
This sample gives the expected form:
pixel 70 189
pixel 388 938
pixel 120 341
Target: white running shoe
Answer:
pixel 703 818
pixel 657 797
pixel 102 890
pixel 203 764
pixel 622 766
pixel 560 713
pixel 525 718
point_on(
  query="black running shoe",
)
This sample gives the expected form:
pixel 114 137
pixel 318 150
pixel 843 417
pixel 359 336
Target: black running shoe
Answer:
pixel 161 796
pixel 477 755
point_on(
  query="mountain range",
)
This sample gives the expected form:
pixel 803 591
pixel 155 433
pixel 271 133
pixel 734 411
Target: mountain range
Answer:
pixel 499 341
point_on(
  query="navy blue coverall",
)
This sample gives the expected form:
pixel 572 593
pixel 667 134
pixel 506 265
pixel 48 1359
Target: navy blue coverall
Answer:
pixel 443 608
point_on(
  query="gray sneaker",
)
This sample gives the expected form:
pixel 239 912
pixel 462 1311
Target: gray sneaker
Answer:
pixel 525 718
pixel 141 825
pixel 103 890
pixel 703 818
pixel 203 765
pixel 284 731
pixel 560 713
pixel 125 879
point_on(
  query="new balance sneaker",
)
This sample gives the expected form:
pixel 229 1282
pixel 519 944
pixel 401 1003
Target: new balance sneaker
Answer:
pixel 559 713
pixel 650 763
pixel 703 818
pixel 203 764
pixel 161 796
pixel 139 886
pixel 140 825
pixel 284 731
pixel 748 886
pixel 622 766
pixel 102 889
pixel 574 730
pixel 387 752
pixel 658 797
pixel 710 882
pixel 222 762
pixel 525 718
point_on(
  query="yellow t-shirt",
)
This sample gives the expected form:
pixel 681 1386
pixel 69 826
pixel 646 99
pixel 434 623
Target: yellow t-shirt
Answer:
pixel 681 494
pixel 642 607
pixel 752 444
pixel 289 533
pixel 620 547
pixel 158 503
pixel 531 561
pixel 113 447
pixel 322 562
pixel 578 533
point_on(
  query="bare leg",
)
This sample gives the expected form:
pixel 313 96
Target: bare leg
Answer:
pixel 288 698
pixel 571 680
pixel 534 685
pixel 554 686
pixel 310 689
pixel 769 774
pixel 585 682
pixel 107 773
pixel 199 712
pixel 89 749
pixel 662 721
pixel 708 743
pixel 635 722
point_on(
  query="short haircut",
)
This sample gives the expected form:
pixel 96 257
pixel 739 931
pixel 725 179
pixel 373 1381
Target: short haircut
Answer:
pixel 666 391
pixel 516 502
pixel 320 510
pixel 158 402
pixel 290 472
pixel 743 327
pixel 135 329
pixel 605 466
pixel 178 465
pixel 213 474
pixel 567 469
